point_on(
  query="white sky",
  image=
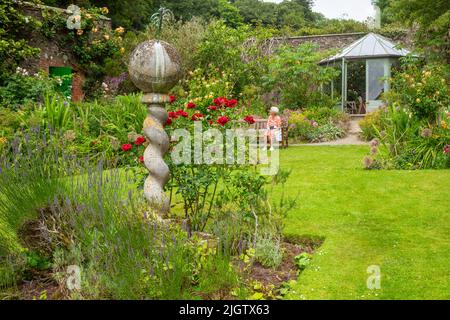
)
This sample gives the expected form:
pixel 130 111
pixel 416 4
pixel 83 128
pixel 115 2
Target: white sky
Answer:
pixel 353 9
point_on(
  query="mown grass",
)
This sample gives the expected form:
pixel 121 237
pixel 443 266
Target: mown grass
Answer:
pixel 398 220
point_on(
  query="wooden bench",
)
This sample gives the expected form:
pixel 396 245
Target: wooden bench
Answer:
pixel 261 124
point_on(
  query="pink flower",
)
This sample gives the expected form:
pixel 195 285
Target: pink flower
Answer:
pixel 191 105
pixel 126 147
pixel 223 120
pixel 447 149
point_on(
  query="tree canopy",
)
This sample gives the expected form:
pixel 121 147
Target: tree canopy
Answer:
pixel 432 22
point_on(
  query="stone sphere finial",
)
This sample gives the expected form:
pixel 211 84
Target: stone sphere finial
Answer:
pixel 155 66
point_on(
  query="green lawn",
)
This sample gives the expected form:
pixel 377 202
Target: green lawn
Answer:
pixel 399 220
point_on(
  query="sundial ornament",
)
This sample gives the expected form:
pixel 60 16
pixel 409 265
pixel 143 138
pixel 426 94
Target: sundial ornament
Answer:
pixel 155 67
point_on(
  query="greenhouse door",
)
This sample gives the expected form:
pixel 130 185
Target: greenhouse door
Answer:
pixel 377 71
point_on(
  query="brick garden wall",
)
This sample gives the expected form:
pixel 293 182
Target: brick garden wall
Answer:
pixel 52 54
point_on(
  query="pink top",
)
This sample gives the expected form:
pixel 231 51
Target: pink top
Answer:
pixel 274 121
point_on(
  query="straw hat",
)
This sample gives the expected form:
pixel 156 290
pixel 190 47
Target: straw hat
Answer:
pixel 274 110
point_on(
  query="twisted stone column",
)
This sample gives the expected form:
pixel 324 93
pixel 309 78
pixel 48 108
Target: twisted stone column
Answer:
pixel 155 68
pixel 154 154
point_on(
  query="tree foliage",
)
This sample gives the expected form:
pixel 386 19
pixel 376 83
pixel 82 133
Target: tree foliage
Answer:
pixel 295 75
pixel 431 20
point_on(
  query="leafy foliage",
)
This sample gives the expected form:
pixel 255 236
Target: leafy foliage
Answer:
pixel 14 47
pixel 432 22
pixel 295 74
pixel 423 90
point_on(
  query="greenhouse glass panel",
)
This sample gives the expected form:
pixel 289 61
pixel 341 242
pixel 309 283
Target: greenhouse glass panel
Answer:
pixel 375 82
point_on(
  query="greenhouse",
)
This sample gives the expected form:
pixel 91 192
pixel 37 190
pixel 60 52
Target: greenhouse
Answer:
pixel 365 65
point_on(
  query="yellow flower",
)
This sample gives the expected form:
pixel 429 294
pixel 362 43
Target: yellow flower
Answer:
pixel 418 100
pixel 94 29
pixel 104 10
pixel 106 36
pixel 80 32
pixel 444 125
pixel 120 30
pixel 3 140
pixel 122 50
pixel 88 15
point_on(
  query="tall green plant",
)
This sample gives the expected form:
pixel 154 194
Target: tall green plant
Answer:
pixel 295 75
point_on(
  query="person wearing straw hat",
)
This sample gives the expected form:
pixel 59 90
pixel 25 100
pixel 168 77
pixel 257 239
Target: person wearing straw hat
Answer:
pixel 273 126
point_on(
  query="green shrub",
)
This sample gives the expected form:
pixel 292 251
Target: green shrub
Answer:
pixel 423 90
pixel 327 132
pixel 303 260
pixel 408 142
pixel 22 88
pixel 325 115
pixel 295 75
pixel 371 125
pixel 268 251
pixel 317 125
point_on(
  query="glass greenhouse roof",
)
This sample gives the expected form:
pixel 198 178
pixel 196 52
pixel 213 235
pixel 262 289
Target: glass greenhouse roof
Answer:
pixel 370 46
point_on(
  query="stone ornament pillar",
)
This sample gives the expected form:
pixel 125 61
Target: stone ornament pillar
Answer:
pixel 155 67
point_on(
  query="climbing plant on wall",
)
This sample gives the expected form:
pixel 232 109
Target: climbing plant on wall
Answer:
pixel 13 47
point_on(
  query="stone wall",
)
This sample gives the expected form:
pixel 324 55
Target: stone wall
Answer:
pixel 52 54
pixel 326 41
pixel 330 41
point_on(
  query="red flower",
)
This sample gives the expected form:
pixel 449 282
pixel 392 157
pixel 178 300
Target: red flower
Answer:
pixel 220 102
pixel 139 140
pixel 172 99
pixel 249 119
pixel 211 122
pixel 196 116
pixel 141 159
pixel 212 108
pixel 223 120
pixel 168 122
pixel 191 105
pixel 231 103
pixel 182 113
pixel 126 147
pixel 173 115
